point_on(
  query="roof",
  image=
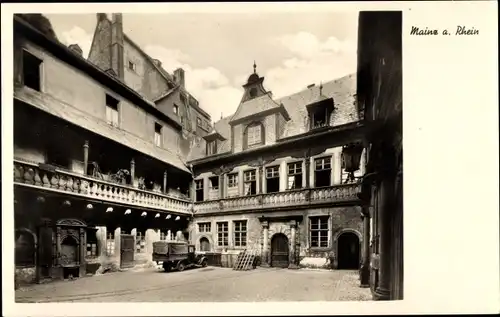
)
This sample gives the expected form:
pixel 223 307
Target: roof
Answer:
pixel 341 90
pixel 77 117
pixel 254 106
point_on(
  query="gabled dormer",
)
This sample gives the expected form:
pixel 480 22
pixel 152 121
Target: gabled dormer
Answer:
pixel 213 142
pixel 320 111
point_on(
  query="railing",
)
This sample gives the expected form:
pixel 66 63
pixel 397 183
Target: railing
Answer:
pixel 300 197
pixel 54 179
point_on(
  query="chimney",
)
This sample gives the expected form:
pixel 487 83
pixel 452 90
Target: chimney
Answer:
pixel 76 48
pixel 101 16
pixel 179 77
pixel 117 59
pixel 157 62
pixel 311 86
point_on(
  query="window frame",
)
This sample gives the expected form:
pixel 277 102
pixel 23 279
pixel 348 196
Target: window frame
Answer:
pixel 204 225
pixel 212 147
pixel 134 66
pixel 24 54
pixel 240 230
pixel 222 235
pixel 295 173
pixel 235 182
pixel 114 110
pixel 158 139
pixel 176 109
pixel 250 180
pixel 318 219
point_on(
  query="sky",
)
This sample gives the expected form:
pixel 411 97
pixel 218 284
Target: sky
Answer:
pixel 217 50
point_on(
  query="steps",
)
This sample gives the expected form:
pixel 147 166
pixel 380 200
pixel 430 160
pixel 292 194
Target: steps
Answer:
pixel 244 261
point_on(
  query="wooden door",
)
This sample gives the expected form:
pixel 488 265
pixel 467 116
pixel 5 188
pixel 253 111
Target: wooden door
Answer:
pixel 127 244
pixel 279 251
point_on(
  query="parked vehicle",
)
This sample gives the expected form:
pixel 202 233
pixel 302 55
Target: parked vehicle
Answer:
pixel 177 255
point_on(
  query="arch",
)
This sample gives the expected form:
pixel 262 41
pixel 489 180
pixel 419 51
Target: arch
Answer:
pixel 246 144
pixel 342 231
pixel 71 222
pixel 25 247
pixel 207 237
pixel 280 250
pixel 348 249
pixel 205 244
pixel 69 250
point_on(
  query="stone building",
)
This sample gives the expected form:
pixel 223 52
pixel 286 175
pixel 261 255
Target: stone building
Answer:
pixel 98 168
pixel 269 178
pixel 379 94
pixel 113 51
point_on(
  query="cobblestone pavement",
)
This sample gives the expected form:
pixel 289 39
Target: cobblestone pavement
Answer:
pixel 211 284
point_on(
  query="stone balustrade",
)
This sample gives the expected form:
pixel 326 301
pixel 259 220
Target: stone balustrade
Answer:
pixel 344 193
pixel 53 179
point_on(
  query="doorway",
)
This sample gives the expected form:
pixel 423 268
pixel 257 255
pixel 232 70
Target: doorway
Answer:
pixel 348 250
pixel 279 251
pixel 204 244
pixel 127 245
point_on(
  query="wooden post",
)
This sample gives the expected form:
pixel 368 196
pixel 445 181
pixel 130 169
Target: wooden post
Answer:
pixel 165 182
pixel 365 266
pixel 85 157
pixel 132 172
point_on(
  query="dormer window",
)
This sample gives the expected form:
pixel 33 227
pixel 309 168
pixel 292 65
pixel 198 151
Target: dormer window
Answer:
pixel 320 111
pixel 253 92
pixel 211 147
pixel 254 135
pixel 320 118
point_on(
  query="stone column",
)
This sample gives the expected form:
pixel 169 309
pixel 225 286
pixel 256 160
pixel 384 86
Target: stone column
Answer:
pixel 365 266
pixel 83 252
pixel 221 185
pixel 382 291
pixel 133 232
pixel 260 172
pixel 132 172
pixel 150 238
pixel 85 157
pixel 265 244
pixel 101 241
pixel 293 234
pixel 117 255
pixel 165 182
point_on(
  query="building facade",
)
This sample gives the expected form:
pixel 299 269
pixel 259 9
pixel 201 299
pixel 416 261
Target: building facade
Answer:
pixel 98 167
pixel 270 178
pixel 380 104
pixel 114 51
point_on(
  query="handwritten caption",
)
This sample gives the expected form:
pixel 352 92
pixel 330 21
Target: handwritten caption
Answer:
pixel 460 30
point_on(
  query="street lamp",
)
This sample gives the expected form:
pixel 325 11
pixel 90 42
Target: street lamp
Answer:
pixel 351 157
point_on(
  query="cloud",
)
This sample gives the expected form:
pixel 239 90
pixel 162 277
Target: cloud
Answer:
pixel 208 84
pixel 77 35
pixel 312 61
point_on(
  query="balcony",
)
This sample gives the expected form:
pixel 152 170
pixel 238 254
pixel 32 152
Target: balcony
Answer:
pixel 345 193
pixel 36 176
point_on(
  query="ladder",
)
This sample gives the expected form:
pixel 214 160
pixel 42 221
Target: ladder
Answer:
pixel 244 261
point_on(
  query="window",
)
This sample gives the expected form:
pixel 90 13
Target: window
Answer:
pixel 318 230
pixel 140 242
pixel 183 98
pixel 110 244
pixel 254 135
pixel 273 179
pixel 111 111
pixel 250 182
pixel 199 190
pixel 253 92
pixel 158 128
pixel 176 110
pixel 131 65
pixel 295 175
pixel 320 118
pixel 92 243
pixel 198 122
pixel 322 172
pixel 32 71
pixel 213 182
pixel 25 248
pixel 240 233
pixel 222 234
pixel 211 147
pixel 205 227
pixel 232 180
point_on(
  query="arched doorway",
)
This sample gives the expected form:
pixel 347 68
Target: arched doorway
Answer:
pixel 24 248
pixel 279 251
pixel 204 244
pixel 69 251
pixel 348 251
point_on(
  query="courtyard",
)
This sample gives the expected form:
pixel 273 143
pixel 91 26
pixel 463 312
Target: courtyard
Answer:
pixel 210 284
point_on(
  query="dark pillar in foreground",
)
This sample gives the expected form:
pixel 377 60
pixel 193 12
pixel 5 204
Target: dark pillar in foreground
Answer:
pixel 365 266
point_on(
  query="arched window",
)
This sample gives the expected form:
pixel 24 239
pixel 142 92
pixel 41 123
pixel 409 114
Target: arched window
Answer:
pixel 25 248
pixel 254 135
pixel 253 92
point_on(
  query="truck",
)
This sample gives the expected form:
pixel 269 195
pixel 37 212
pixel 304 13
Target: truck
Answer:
pixel 176 255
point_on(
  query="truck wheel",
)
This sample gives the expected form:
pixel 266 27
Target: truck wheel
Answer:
pixel 204 263
pixel 167 267
pixel 181 267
